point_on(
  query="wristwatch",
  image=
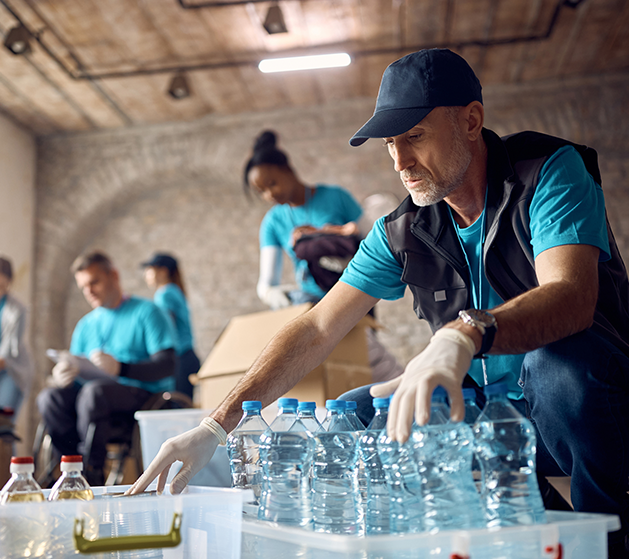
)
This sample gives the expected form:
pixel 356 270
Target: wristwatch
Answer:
pixel 485 323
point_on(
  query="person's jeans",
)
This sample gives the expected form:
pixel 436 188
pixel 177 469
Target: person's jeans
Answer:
pixel 10 394
pixel 576 393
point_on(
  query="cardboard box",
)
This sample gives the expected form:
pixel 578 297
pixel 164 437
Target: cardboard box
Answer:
pixel 246 336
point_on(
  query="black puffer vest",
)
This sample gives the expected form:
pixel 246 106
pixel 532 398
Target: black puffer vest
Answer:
pixel 425 243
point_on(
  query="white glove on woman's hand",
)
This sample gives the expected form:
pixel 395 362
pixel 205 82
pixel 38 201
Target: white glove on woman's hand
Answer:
pixel 275 296
pixel 444 362
pixel 194 448
pixel 64 373
pixel 105 362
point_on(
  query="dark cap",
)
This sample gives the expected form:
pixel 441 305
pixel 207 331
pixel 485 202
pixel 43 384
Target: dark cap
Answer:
pixel 162 260
pixel 6 268
pixel 413 86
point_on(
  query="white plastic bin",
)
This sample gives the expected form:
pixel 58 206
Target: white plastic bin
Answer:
pixel 156 426
pixel 210 525
pixel 582 536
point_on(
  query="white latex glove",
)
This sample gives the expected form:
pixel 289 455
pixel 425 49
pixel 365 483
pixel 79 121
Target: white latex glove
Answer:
pixel 64 373
pixel 444 362
pixel 105 362
pixel 275 296
pixel 194 448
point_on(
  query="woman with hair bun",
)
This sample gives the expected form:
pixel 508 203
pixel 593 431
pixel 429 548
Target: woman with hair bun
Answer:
pixel 300 213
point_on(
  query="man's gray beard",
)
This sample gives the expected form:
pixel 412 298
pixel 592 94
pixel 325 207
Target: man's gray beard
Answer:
pixel 432 192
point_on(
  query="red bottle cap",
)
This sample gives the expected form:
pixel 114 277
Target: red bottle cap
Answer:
pixel 72 458
pixel 22 460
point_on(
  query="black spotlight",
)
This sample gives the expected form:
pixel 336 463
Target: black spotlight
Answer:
pixel 179 88
pixel 17 40
pixel 274 21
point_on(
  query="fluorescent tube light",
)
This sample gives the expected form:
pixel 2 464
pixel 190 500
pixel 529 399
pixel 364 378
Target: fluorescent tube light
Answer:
pixel 305 62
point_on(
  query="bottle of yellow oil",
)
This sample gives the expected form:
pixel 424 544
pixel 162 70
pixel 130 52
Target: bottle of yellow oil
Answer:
pixel 22 485
pixel 71 484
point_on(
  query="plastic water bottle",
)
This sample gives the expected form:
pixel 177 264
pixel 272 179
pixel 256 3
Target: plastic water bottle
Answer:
pixel 443 451
pixel 336 419
pixel 472 411
pixel 285 458
pixel 243 448
pixel 22 486
pixel 350 412
pixel 377 492
pixel 286 415
pixel 506 448
pixel 336 504
pixel 71 484
pixel 307 417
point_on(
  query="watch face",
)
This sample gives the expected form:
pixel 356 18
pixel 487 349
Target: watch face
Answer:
pixel 485 318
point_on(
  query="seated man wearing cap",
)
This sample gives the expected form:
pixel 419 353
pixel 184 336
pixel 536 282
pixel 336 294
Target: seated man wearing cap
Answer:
pixel 505 246
pixel 130 339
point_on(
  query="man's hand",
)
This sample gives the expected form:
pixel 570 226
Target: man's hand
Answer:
pixel 105 362
pixel 64 373
pixel 444 362
pixel 3 363
pixel 194 448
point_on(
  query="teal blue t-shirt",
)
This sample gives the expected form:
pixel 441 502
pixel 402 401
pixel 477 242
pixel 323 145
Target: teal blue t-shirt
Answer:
pixel 568 207
pixel 329 205
pixel 130 333
pixel 171 300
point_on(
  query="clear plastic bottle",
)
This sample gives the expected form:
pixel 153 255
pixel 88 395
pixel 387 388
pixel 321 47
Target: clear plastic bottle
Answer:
pixel 376 500
pixel 506 448
pixel 243 448
pixel 336 419
pixel 350 412
pixel 307 417
pixel 285 458
pixel 472 411
pixel 443 451
pixel 22 486
pixel 336 506
pixel 286 415
pixel 71 484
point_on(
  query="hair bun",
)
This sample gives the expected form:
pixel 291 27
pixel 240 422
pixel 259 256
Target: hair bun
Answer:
pixel 266 140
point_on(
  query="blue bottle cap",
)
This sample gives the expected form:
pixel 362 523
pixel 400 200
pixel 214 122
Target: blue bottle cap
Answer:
pixel 351 405
pixel 469 394
pixel 380 403
pixel 439 393
pixel 251 405
pixel 288 403
pixel 307 406
pixel 335 405
pixel 497 388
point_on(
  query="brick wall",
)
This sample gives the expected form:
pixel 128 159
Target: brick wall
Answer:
pixel 178 188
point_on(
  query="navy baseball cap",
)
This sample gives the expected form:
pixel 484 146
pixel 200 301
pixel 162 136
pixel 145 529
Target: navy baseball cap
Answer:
pixel 162 260
pixel 413 86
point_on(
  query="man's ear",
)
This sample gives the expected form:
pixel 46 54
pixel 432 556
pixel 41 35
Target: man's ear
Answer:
pixel 475 118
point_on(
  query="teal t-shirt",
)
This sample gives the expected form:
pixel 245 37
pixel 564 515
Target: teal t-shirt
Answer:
pixel 171 300
pixel 329 205
pixel 568 207
pixel 130 333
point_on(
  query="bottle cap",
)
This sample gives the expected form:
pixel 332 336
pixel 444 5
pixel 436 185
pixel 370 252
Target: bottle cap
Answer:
pixel 335 405
pixel 351 405
pixel 290 403
pixel 497 388
pixel 439 393
pixel 469 394
pixel 71 463
pixel 251 405
pixel 380 403
pixel 22 465
pixel 307 406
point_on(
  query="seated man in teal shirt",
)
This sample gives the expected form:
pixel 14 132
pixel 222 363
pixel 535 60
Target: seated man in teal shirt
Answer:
pixel 130 339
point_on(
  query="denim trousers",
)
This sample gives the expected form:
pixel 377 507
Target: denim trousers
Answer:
pixel 10 394
pixel 576 394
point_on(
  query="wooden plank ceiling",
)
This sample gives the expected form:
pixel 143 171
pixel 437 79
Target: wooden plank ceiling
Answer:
pixel 98 64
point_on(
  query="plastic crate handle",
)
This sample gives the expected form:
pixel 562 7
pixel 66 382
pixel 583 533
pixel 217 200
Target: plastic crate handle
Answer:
pixel 127 543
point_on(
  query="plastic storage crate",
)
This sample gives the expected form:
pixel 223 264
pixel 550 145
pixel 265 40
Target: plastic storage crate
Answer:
pixel 582 536
pixel 209 525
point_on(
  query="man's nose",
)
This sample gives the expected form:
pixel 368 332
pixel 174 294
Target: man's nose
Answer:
pixel 402 158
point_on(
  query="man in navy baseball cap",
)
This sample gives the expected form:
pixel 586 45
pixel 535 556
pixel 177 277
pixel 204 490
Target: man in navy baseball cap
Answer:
pixel 413 86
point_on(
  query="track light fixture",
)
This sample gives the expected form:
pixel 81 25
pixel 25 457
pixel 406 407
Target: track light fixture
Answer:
pixel 179 88
pixel 17 40
pixel 274 21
